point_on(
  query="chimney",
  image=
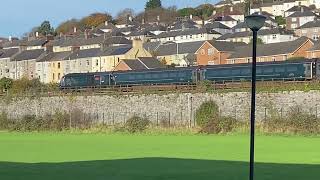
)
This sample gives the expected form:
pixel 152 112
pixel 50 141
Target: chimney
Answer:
pixel 130 18
pixel 214 12
pixel 37 34
pixel 137 43
pixel 158 18
pixel 10 38
pixel 86 34
pixel 106 23
pixel 191 16
pixel 231 9
pixel 143 21
pixel 302 10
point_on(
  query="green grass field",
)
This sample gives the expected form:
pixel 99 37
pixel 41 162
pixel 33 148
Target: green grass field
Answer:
pixel 33 156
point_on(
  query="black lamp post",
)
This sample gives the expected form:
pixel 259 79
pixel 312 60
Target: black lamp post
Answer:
pixel 254 22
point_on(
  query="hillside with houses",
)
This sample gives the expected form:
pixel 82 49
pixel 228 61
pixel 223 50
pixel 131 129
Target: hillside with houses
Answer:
pixel 210 34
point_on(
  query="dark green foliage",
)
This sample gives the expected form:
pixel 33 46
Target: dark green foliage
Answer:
pixel 295 58
pixel 296 121
pixel 208 118
pixel 137 124
pixel 45 28
pixel 153 4
pixel 280 20
pixel 206 113
pixel 259 41
pixel 5 83
pixel 186 12
pixel 4 121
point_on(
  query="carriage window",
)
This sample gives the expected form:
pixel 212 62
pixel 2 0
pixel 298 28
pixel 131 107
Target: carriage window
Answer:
pixel 131 77
pixel 165 75
pixel 140 76
pixel 155 76
pixel 279 69
pixel 172 74
pixel 148 75
pixel 292 68
pixel 245 71
pixel 268 70
pixel 182 74
pixel 259 71
pixel 236 72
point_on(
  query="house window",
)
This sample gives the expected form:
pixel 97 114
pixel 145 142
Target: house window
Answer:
pixel 53 76
pixel 59 76
pixel 190 36
pixel 97 62
pixel 58 65
pixel 315 30
pixel 315 37
pixel 203 52
pixel 118 59
pixel 53 65
pixel 233 61
pixel 274 36
pixel 210 51
pixel 293 26
pixel 273 59
pixel 294 19
pixel 248 60
pixel 304 31
pixel 88 63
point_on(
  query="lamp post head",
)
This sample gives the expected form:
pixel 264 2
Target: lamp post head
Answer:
pixel 255 22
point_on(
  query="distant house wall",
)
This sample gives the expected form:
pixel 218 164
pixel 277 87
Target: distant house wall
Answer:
pixel 209 55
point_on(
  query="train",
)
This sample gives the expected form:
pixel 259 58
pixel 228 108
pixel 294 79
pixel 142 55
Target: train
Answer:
pixel 299 70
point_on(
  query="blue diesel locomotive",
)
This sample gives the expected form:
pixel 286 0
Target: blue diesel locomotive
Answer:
pixel 266 71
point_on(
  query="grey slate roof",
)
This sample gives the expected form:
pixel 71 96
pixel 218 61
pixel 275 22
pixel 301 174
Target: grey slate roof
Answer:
pixel 262 32
pixel 216 25
pixel 35 42
pixel 29 55
pixel 181 48
pixel 310 24
pixel 225 18
pixel 86 53
pixel 302 14
pixel 8 53
pixel 186 32
pixel 151 46
pixel 226 46
pixel 299 8
pixel 269 49
pixel 244 25
pixel 55 56
pixel 141 33
pixel 316 46
pixel 134 64
pixel 151 62
pixel 115 50
pixel 13 43
pixel 116 40
pixel 184 25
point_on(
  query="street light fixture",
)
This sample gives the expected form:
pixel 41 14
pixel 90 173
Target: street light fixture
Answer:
pixel 255 23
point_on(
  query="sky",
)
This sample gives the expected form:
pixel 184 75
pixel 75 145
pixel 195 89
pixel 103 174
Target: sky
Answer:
pixel 20 16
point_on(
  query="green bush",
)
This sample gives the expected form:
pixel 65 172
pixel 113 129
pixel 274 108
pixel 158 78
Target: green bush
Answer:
pixel 4 121
pixel 137 124
pixel 207 112
pixel 5 84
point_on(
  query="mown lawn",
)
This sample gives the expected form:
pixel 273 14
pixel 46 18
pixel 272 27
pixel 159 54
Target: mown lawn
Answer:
pixel 124 157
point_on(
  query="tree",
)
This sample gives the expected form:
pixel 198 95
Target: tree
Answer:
pixel 45 28
pixel 67 26
pixel 5 83
pixel 280 20
pixel 123 15
pixel 153 4
pixel 94 20
pixel 186 12
pixel 259 41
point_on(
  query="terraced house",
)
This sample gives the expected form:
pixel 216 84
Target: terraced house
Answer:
pixel 6 66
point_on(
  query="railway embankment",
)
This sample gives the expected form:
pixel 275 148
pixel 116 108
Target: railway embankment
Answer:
pixel 177 108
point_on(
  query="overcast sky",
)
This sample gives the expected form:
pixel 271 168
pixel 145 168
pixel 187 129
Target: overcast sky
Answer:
pixel 19 16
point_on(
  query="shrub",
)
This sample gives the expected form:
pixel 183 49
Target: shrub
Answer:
pixel 60 121
pixel 137 124
pixel 207 112
pixel 4 121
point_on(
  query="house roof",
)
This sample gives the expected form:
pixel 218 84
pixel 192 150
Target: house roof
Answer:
pixel 244 25
pixel 85 53
pixel 310 24
pixel 269 49
pixel 225 46
pixel 141 33
pixel 315 47
pixel 216 25
pixel 224 18
pixel 55 56
pixel 151 46
pixel 35 42
pixel 172 48
pixel 13 43
pixel 151 62
pixel 107 26
pixel 7 53
pixel 298 8
pixel 302 14
pixel 184 25
pixel 134 64
pixel 115 50
pixel 261 32
pixel 264 13
pixel 186 32
pixel 28 55
pixel 223 3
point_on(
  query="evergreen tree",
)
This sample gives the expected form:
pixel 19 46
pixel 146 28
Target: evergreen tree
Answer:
pixel 153 4
pixel 45 28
